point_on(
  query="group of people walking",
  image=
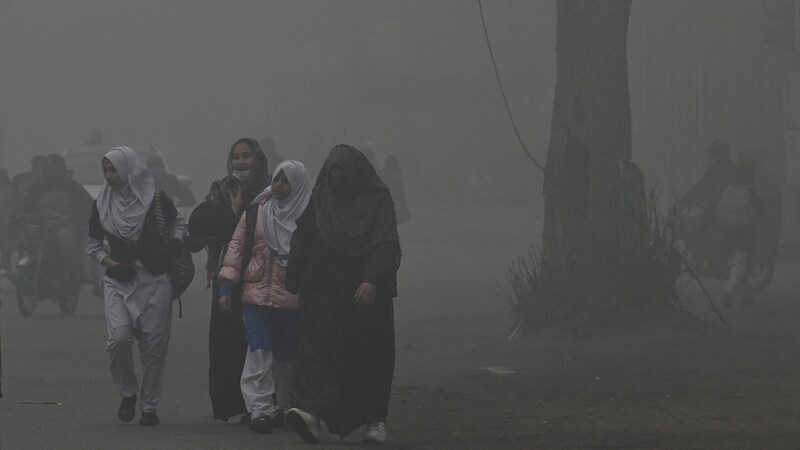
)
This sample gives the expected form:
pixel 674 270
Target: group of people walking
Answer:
pixel 303 277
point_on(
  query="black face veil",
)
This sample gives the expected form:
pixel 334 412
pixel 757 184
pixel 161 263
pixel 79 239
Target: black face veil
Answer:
pixel 355 210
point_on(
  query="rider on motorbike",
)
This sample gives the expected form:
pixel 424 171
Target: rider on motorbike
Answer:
pixel 736 214
pixel 728 229
pixel 719 173
pixel 63 206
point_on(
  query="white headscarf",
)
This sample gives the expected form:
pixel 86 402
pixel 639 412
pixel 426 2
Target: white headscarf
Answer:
pixel 122 211
pixel 279 216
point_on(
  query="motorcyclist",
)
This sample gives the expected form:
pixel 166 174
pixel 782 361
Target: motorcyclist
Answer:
pixel 64 206
pixel 719 173
pixel 705 194
pixel 22 182
pixel 737 213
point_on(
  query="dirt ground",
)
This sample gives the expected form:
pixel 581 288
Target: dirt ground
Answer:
pixel 650 388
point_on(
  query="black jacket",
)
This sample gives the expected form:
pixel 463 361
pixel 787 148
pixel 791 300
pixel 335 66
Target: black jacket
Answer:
pixel 150 249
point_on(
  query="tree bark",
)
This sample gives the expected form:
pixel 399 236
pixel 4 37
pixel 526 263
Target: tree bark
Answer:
pixel 590 134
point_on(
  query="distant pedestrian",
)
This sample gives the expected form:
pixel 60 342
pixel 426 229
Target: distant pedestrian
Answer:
pixel 211 226
pixel 137 289
pixel 169 183
pixel 256 260
pixel 343 262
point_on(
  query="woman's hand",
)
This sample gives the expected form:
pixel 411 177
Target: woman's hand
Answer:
pixel 225 303
pixel 123 273
pixel 108 262
pixel 365 293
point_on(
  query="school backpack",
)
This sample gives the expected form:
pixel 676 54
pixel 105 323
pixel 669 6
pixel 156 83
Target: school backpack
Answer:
pixel 181 268
pixel 735 208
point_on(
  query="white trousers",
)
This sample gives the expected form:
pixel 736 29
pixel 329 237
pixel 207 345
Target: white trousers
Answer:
pixel 263 376
pixel 140 310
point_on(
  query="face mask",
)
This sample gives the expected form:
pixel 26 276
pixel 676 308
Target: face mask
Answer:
pixel 242 175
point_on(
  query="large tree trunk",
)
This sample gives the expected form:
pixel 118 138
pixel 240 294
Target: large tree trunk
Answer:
pixel 590 135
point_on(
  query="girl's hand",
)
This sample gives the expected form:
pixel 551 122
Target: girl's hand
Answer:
pixel 108 262
pixel 365 293
pixel 225 303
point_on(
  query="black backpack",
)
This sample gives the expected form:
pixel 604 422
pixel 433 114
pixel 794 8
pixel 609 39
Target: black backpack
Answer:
pixel 181 267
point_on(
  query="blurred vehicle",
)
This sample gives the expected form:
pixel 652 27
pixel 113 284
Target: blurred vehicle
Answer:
pixel 37 276
pixel 707 249
pixel 84 162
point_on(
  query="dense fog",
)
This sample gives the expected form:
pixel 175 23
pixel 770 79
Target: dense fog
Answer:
pixel 412 78
pixel 415 79
pixel 409 78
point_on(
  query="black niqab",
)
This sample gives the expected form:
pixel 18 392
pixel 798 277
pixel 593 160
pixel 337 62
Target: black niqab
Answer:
pixel 352 224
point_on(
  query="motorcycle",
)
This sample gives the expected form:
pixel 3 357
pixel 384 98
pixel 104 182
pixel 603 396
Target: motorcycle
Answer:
pixel 38 276
pixel 708 249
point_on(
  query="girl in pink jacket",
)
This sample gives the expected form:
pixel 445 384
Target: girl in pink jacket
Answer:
pixel 256 263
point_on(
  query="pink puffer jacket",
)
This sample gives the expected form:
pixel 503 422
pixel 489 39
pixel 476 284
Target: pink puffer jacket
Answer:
pixel 264 279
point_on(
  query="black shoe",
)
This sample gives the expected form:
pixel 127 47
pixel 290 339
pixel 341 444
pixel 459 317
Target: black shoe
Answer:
pixel 127 409
pixel 149 418
pixel 244 419
pixel 278 419
pixel 262 425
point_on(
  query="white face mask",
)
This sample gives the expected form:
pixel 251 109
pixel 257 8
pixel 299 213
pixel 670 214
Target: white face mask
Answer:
pixel 242 175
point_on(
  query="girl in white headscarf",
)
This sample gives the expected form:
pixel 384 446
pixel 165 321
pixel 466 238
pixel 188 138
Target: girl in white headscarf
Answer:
pixel 256 260
pixel 137 289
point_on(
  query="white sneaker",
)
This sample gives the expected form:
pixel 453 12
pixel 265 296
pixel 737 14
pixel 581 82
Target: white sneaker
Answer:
pixel 304 424
pixel 376 432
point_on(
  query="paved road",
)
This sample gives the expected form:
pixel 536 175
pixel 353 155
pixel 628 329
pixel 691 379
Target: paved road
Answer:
pixel 58 392
pixel 449 321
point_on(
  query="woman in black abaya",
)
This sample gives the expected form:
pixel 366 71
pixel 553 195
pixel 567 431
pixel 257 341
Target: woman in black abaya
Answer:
pixel 343 261
pixel 211 226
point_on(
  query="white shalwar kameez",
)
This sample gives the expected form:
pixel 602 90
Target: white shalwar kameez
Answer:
pixel 139 309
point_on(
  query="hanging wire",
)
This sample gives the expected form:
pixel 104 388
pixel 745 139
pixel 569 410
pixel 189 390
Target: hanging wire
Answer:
pixel 511 115
pixel 503 92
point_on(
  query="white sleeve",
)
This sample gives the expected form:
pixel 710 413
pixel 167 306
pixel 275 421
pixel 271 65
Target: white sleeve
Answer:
pixel 96 250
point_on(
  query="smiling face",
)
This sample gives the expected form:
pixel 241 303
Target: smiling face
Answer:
pixel 242 156
pixel 280 186
pixel 110 174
